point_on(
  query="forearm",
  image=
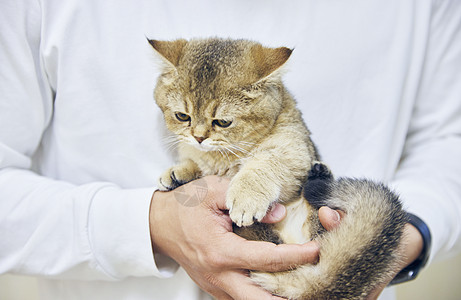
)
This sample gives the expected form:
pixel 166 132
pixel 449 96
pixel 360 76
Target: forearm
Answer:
pixel 429 184
pixel 56 229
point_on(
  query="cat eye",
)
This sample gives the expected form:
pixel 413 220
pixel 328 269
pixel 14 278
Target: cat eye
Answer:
pixel 222 123
pixel 182 117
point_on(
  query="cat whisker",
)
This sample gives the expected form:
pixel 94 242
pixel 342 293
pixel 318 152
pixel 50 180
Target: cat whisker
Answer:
pixel 230 150
pixel 224 150
pixel 172 142
pixel 169 139
pixel 241 149
pixel 172 145
pixel 222 153
pixel 246 143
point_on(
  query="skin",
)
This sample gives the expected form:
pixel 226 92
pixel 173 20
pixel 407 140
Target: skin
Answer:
pixel 201 240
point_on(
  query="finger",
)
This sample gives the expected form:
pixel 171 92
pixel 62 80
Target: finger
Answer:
pixel 217 293
pixel 239 286
pixel 330 218
pixel 216 188
pixel 276 214
pixel 264 256
pixel 208 284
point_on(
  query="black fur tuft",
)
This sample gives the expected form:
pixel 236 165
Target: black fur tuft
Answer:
pixel 319 171
pixel 318 186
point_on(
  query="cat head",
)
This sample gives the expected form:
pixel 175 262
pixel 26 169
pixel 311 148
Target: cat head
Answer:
pixel 220 93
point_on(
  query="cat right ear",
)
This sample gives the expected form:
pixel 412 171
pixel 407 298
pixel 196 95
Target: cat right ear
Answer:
pixel 170 51
pixel 268 61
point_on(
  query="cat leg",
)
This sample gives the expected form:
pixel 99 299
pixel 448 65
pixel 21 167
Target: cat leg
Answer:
pixel 249 197
pixel 273 174
pixel 178 175
pixel 262 181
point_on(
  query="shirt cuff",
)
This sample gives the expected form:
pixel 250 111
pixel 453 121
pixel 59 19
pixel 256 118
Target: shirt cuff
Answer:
pixel 119 234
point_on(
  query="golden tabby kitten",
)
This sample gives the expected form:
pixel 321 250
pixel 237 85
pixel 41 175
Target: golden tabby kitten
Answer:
pixel 225 102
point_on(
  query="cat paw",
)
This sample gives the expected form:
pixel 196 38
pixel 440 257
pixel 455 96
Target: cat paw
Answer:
pixel 245 214
pixel 319 170
pixel 175 177
pixel 247 205
pixel 168 181
pixel 178 175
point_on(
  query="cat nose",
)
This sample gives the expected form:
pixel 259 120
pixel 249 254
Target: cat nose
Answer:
pixel 200 139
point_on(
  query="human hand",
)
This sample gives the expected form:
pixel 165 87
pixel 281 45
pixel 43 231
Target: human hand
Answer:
pixel 201 240
pixel 410 247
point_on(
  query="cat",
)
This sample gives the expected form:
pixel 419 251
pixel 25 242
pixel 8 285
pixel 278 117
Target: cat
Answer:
pixel 225 102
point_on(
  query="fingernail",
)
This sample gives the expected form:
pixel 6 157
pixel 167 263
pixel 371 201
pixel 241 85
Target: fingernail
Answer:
pixel 336 216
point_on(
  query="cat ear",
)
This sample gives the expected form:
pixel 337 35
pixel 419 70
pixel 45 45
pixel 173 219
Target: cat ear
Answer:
pixel 169 50
pixel 268 61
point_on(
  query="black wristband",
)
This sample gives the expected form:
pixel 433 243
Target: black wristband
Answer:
pixel 411 271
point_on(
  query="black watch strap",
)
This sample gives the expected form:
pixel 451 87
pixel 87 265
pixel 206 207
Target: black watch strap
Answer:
pixel 411 271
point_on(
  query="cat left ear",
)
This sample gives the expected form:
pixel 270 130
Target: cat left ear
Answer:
pixel 268 61
pixel 170 50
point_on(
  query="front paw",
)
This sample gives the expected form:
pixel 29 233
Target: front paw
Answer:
pixel 178 175
pixel 247 204
pixel 168 180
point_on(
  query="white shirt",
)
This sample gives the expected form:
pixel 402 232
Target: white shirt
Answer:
pixel 81 139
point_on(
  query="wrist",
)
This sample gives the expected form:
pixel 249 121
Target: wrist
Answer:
pixel 417 244
pixel 166 266
pixel 157 211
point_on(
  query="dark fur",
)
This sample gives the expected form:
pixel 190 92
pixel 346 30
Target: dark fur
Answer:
pixel 377 255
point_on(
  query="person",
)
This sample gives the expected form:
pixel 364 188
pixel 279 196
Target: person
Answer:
pixel 82 141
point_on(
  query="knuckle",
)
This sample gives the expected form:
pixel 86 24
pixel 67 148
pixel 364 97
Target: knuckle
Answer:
pixel 277 264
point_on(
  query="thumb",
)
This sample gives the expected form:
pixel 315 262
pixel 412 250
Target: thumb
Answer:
pixel 330 218
pixel 276 214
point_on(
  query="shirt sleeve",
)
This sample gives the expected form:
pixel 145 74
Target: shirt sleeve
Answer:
pixel 49 227
pixel 429 174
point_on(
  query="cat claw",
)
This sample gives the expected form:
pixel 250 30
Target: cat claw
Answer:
pixel 243 217
pixel 168 181
pixel 162 187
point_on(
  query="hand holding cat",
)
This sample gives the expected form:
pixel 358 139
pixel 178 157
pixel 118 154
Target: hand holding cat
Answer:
pixel 201 240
